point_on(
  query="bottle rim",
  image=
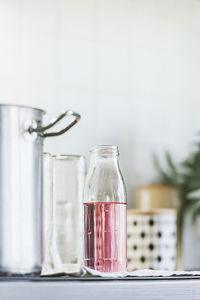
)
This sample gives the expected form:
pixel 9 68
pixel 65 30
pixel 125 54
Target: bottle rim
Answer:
pixel 105 150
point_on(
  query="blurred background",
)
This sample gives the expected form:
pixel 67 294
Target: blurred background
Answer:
pixel 131 68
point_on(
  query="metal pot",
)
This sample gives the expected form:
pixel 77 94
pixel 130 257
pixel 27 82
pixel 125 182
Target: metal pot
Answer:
pixel 21 149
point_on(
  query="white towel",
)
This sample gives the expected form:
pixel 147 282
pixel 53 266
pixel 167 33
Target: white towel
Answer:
pixel 145 272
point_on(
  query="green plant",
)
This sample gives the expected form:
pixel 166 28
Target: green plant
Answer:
pixel 187 175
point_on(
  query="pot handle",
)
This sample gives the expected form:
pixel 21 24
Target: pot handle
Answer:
pixel 41 129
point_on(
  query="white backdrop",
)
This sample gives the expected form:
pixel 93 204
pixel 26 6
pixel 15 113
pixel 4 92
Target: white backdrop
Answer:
pixel 130 67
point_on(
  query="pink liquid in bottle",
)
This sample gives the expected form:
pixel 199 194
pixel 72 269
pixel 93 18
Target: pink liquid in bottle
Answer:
pixel 105 236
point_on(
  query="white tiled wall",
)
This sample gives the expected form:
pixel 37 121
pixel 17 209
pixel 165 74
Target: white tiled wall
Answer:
pixel 130 67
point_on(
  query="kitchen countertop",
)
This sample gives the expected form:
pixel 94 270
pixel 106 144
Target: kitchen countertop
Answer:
pixel 140 288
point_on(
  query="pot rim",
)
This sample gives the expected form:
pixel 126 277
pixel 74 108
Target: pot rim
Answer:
pixel 22 106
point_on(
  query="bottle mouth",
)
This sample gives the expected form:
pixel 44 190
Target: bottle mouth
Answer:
pixel 105 150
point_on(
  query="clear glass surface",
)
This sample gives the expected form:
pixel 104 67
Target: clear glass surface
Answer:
pixel 66 247
pixel 47 210
pixel 105 212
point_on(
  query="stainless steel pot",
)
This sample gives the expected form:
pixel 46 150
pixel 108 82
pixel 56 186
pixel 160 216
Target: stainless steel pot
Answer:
pixel 21 149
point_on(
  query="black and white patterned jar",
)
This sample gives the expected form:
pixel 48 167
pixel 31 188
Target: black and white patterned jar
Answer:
pixel 151 239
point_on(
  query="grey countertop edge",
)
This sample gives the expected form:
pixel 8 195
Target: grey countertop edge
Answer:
pixel 181 289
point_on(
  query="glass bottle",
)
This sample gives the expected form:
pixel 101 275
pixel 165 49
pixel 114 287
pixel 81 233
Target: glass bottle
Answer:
pixel 105 212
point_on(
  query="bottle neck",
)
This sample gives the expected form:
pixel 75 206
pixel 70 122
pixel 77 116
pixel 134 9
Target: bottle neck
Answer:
pixel 104 153
pixel 104 182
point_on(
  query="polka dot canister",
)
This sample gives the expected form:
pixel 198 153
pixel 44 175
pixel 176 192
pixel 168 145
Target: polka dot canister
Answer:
pixel 151 239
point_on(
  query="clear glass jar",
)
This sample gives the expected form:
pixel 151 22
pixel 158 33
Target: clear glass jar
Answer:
pixel 105 212
pixel 47 212
pixel 64 213
pixel 68 183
